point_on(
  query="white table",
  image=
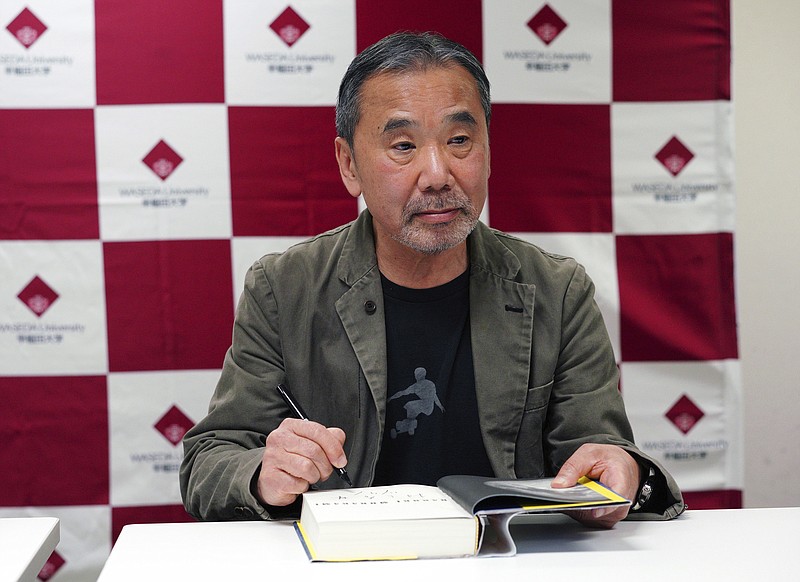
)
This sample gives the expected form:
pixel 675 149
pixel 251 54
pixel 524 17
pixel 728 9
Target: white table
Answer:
pixel 25 545
pixel 744 544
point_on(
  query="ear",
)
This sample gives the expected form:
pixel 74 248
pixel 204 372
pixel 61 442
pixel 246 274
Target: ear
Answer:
pixel 347 167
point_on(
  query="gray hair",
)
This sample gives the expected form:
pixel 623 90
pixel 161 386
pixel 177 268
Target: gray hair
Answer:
pixel 397 53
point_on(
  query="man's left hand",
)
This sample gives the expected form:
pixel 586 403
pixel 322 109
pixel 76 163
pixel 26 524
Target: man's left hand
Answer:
pixel 607 463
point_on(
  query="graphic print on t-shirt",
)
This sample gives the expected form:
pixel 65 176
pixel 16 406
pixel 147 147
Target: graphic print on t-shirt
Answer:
pixel 426 399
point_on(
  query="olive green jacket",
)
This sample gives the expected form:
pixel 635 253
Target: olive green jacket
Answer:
pixel 312 317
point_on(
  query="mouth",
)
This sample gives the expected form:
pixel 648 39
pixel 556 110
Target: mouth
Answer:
pixel 438 216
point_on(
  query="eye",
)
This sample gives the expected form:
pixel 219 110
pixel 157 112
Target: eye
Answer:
pixel 458 140
pixel 403 146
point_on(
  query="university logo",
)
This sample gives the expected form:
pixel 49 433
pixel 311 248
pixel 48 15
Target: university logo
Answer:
pixel 289 26
pixel 684 414
pixel 162 160
pixel 674 156
pixel 38 296
pixel 26 28
pixel 547 24
pixel 173 425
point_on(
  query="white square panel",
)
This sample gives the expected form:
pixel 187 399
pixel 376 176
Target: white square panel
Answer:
pixel 688 415
pixel 548 52
pixel 52 308
pixel 163 172
pixel 281 53
pixel 47 54
pixel 149 412
pixel 672 167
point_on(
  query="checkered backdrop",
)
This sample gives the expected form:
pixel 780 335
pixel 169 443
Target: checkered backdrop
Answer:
pixel 151 150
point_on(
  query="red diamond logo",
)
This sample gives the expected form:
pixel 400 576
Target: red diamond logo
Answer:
pixel 547 24
pixel 37 296
pixel 26 28
pixel 674 156
pixel 289 26
pixel 163 160
pixel 684 414
pixel 173 425
pixel 51 566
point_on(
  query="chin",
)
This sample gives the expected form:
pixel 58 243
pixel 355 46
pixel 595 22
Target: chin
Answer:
pixel 437 238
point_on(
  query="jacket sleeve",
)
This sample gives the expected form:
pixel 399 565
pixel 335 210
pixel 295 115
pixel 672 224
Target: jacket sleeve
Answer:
pixel 222 452
pixel 586 405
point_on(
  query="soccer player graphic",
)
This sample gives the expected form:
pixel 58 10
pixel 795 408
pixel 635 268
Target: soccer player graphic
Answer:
pixel 425 391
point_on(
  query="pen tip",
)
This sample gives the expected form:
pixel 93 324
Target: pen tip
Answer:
pixel 345 477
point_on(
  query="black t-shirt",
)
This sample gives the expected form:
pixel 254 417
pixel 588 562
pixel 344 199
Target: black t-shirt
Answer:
pixel 432 426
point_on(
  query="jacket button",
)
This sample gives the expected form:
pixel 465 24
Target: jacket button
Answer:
pixel 370 307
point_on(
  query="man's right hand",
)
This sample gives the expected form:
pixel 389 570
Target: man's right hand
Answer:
pixel 298 454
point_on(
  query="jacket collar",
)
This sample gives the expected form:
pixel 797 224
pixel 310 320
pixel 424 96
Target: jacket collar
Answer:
pixel 358 254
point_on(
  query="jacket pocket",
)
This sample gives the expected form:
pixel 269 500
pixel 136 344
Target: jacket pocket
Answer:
pixel 529 453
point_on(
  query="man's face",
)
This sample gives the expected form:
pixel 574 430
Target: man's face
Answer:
pixel 420 157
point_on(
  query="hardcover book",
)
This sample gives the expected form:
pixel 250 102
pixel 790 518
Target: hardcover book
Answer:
pixel 463 515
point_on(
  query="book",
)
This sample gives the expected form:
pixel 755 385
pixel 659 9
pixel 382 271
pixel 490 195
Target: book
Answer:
pixel 463 515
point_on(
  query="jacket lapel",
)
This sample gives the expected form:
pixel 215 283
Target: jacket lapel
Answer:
pixel 360 308
pixel 501 324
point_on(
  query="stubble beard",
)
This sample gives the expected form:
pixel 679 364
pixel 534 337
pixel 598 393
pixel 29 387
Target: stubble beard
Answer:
pixel 432 239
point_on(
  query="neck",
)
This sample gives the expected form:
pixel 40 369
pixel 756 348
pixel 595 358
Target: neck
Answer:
pixel 408 268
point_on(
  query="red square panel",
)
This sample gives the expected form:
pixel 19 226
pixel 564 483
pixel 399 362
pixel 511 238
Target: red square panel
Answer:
pixel 55 441
pixel 151 51
pixel 671 51
pixel 122 516
pixel 284 177
pixel 715 499
pixel 676 297
pixel 47 171
pixel 169 303
pixel 460 21
pixel 551 168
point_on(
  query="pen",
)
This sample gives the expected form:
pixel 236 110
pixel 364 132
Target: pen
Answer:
pixel 300 413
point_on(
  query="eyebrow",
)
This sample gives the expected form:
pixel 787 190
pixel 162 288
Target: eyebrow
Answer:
pixel 396 123
pixel 460 117
pixel 464 117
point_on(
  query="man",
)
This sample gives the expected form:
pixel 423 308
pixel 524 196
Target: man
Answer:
pixel 420 341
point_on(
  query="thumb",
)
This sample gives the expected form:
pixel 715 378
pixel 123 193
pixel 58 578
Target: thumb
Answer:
pixel 568 475
pixel 339 435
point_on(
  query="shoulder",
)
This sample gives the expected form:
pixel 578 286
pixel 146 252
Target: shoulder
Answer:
pixel 310 250
pixel 514 258
pixel 337 257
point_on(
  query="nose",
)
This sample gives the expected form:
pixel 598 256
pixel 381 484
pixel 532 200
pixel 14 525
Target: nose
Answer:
pixel 434 170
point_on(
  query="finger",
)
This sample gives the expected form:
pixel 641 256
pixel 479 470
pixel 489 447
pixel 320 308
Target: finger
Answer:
pixel 595 461
pixel 279 461
pixel 572 470
pixel 339 435
pixel 293 448
pixel 323 446
pixel 326 448
pixel 602 518
pixel 612 465
pixel 284 473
